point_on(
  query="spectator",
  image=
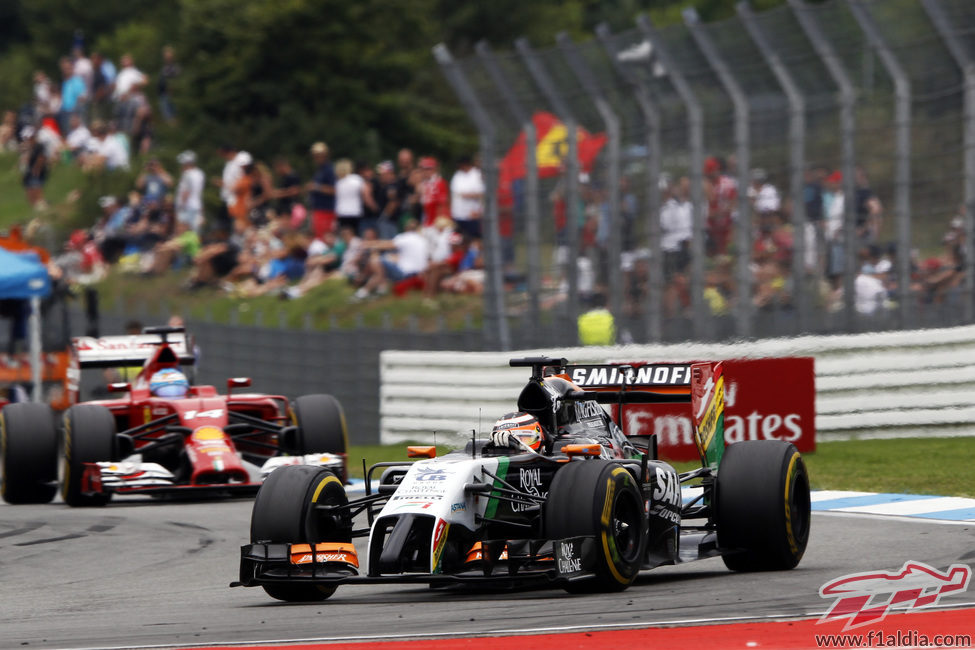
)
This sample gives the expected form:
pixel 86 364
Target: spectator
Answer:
pixel 178 250
pixel 104 150
pixel 43 94
pixel 433 192
pixel 154 181
pixel 8 132
pixel 869 209
pixel 34 162
pixel 240 207
pixel 469 278
pixel 762 194
pixel 170 70
pixel 407 257
pixel 321 191
pixel 73 93
pixel 78 136
pixel 370 206
pixel 83 68
pixel 466 198
pixel 287 192
pixel 387 200
pixel 228 180
pixel 109 232
pixel 189 193
pixel 408 179
pixel 676 223
pixel 350 191
pixel 128 95
pixel 721 191
pixel 102 83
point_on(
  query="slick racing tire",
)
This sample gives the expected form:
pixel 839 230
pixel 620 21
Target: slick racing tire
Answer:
pixel 29 451
pixel 284 512
pixel 599 499
pixel 762 507
pixel 321 426
pixel 89 437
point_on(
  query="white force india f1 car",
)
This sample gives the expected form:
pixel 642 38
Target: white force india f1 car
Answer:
pixel 588 510
pixel 163 436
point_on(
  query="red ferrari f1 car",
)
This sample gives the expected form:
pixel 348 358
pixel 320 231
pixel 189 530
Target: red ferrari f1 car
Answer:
pixel 162 436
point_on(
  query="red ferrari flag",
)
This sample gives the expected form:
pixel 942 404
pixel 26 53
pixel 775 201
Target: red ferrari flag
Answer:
pixel 552 148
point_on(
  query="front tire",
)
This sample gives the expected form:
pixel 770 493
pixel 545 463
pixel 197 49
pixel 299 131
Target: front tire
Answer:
pixel 321 426
pixel 600 499
pixel 29 449
pixel 89 437
pixel 284 512
pixel 762 506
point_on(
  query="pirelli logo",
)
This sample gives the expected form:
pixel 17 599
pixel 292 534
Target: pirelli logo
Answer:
pixel 650 375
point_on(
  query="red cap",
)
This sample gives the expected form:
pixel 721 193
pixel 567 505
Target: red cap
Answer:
pixel 835 177
pixel 711 165
pixel 428 162
pixel 77 239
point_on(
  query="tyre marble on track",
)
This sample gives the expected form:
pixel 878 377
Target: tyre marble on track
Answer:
pixel 145 573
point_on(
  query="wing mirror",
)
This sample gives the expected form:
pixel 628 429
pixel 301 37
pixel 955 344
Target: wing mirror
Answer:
pixel 421 452
pixel 237 382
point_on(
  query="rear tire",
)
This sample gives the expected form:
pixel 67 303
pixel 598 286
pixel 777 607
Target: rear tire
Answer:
pixel 321 427
pixel 284 512
pixel 89 437
pixel 29 448
pixel 762 505
pixel 601 499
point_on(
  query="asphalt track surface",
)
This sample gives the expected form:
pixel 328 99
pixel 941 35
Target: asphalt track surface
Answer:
pixel 145 573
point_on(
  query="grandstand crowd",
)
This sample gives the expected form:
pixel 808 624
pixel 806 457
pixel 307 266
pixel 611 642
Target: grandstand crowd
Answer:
pixel 400 226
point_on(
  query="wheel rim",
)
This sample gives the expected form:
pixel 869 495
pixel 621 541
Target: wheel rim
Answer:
pixel 626 526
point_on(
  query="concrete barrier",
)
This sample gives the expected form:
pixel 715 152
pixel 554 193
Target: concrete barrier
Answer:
pixel 875 385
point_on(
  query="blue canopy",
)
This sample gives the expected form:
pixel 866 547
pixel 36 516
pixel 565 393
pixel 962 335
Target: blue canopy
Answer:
pixel 22 275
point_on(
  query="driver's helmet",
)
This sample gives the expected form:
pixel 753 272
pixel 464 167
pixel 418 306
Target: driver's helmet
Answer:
pixel 524 425
pixel 168 382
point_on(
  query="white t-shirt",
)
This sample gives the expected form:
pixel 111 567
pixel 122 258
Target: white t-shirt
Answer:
pixel 413 253
pixel 438 242
pixel 469 182
pixel 348 195
pixel 84 69
pixel 767 198
pixel 78 138
pixel 869 293
pixel 126 79
pixel 676 222
pixel 189 192
pixel 232 171
pixel 116 157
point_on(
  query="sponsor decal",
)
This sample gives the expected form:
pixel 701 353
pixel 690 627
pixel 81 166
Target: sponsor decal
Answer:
pixel 431 474
pixel 529 480
pixel 458 507
pixel 644 375
pixel 160 411
pixel 765 399
pixel 324 553
pixel 568 557
pixel 439 542
pixel 588 410
pixel 416 498
pixel 206 434
pixel 865 598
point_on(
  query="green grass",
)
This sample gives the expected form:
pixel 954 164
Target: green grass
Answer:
pixel 941 466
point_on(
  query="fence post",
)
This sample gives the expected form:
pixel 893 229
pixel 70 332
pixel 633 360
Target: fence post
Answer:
pixel 902 175
pixel 700 323
pixel 532 215
pixel 797 158
pixel 847 131
pixel 495 321
pixel 651 118
pixel 572 198
pixel 743 234
pixel 959 53
pixel 612 123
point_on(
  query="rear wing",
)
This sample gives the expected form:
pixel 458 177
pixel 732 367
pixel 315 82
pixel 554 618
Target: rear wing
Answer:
pixel 699 384
pixel 134 349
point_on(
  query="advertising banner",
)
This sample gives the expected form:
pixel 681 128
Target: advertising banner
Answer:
pixel 765 399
